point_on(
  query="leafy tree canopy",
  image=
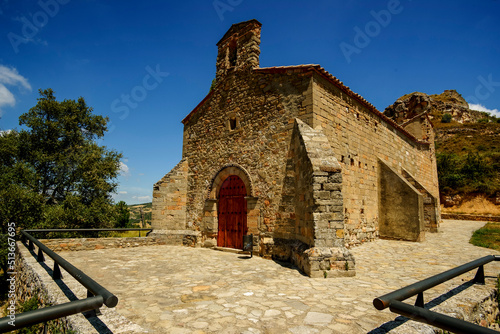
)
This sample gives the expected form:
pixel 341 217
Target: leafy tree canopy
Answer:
pixel 54 174
pixel 123 215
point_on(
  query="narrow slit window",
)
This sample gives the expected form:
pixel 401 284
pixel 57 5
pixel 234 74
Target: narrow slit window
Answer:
pixel 232 123
pixel 233 54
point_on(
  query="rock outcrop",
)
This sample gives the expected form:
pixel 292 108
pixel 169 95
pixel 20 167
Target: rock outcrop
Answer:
pixel 437 105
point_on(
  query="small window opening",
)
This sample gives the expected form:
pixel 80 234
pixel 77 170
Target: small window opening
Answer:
pixel 352 162
pixel 233 54
pixel 232 123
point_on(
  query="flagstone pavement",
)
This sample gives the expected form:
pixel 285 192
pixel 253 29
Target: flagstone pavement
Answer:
pixel 170 289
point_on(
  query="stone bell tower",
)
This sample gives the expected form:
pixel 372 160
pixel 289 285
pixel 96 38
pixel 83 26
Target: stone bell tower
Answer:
pixel 239 49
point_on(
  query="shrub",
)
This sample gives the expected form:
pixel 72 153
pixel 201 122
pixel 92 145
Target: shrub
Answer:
pixel 446 118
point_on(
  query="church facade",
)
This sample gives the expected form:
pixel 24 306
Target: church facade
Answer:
pixel 295 158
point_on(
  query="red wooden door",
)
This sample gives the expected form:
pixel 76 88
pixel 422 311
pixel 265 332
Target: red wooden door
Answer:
pixel 232 213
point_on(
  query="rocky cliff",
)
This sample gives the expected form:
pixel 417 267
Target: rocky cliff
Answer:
pixel 467 144
pixel 449 102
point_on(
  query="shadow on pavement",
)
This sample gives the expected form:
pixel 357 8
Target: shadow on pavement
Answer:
pixel 400 320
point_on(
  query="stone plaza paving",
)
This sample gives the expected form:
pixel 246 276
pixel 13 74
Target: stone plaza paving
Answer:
pixel 170 289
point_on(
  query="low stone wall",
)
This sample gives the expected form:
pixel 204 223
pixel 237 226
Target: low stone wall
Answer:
pixel 34 279
pixel 327 262
pixel 455 216
pixel 79 244
pixel 177 237
pixel 315 262
pixel 29 284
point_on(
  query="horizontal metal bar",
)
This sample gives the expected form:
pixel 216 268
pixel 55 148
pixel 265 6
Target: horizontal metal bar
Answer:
pixel 438 320
pixel 110 300
pixel 385 301
pixel 89 230
pixel 49 313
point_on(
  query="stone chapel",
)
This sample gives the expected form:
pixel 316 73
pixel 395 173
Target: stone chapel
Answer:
pixel 294 157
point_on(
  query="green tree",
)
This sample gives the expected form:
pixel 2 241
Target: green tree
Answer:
pixel 448 166
pixel 122 215
pixel 54 174
pixel 446 118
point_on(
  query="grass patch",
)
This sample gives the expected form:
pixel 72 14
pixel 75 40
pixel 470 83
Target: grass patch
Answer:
pixel 487 236
pixel 475 205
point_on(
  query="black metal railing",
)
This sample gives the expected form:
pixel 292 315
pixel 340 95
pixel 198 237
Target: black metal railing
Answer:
pixel 97 295
pixel 393 300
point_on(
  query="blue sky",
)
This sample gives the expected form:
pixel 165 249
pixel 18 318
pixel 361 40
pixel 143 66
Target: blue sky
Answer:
pixel 147 64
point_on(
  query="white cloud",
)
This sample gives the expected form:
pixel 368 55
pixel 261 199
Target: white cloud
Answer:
pixel 10 77
pixel 6 97
pixel 124 170
pixel 5 132
pixel 133 195
pixel 143 198
pixel 479 107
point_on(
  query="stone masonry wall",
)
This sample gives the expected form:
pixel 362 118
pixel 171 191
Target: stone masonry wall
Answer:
pixel 358 138
pixel 238 49
pixel 169 199
pixel 79 244
pixel 401 213
pixel 310 230
pixel 431 206
pixel 29 285
pixel 295 215
pixel 246 123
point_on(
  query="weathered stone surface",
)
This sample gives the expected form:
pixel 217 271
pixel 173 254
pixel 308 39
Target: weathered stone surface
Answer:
pixel 448 102
pixel 401 207
pixel 169 199
pixel 80 244
pixel 317 318
pixel 305 146
pixel 155 286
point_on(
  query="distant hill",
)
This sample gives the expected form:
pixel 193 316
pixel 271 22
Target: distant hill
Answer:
pixel 467 143
pixel 135 213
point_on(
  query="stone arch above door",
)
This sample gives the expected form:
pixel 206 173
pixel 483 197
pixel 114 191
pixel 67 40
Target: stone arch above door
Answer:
pixel 223 174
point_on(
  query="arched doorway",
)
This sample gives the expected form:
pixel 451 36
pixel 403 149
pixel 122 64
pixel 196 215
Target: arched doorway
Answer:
pixel 232 213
